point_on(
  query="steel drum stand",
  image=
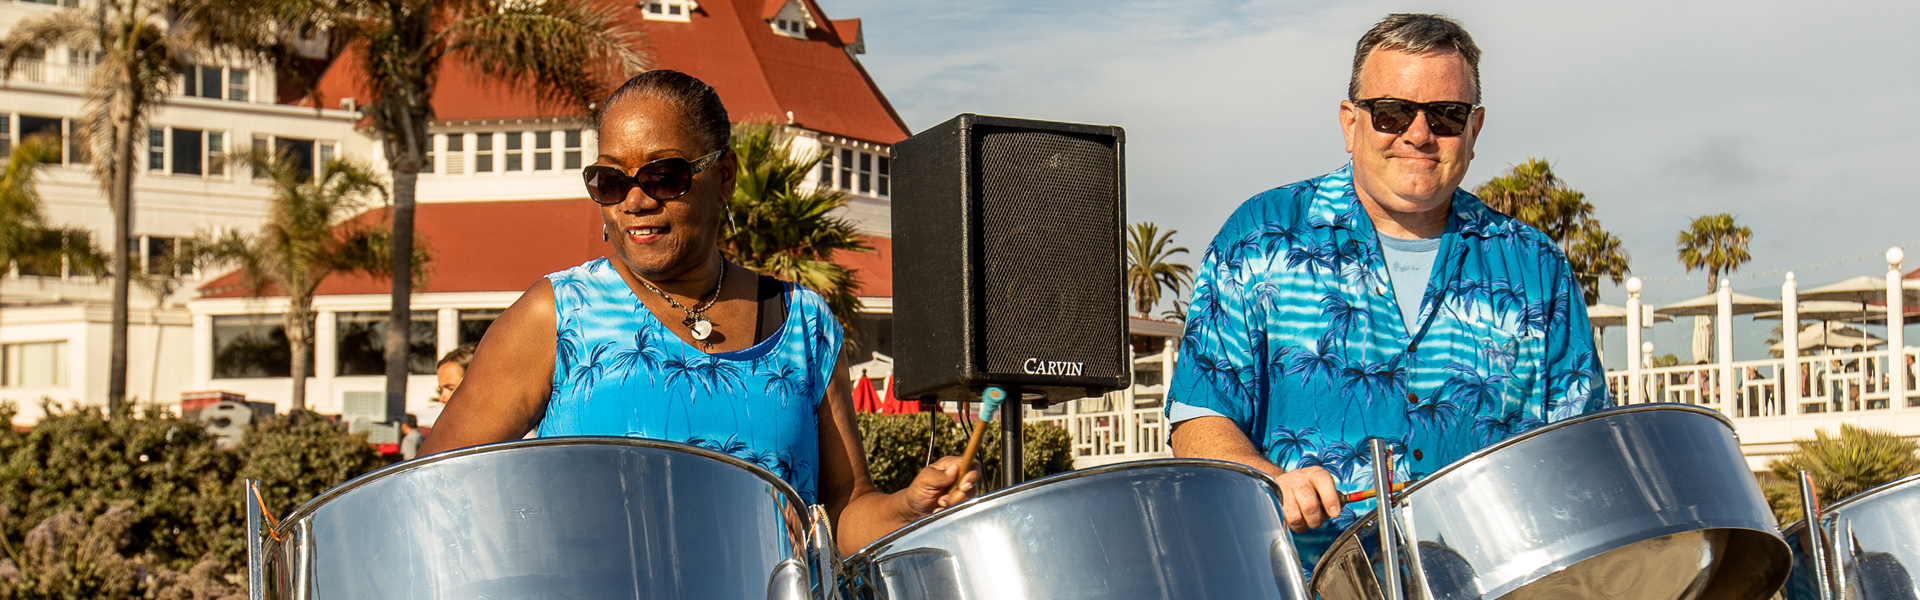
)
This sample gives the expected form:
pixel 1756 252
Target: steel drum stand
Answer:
pixel 1383 514
pixel 1817 542
pixel 1013 464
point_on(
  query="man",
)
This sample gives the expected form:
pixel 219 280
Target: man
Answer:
pixel 410 437
pixel 1380 301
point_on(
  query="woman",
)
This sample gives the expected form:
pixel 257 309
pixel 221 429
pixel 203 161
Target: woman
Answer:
pixel 665 339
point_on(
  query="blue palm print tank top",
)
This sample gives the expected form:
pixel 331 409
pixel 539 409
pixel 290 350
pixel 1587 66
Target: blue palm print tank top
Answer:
pixel 619 371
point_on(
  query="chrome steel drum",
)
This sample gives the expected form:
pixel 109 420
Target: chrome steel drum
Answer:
pixel 559 518
pixel 1873 540
pixel 1163 529
pixel 1650 502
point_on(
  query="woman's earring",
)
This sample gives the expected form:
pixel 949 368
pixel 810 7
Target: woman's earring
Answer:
pixel 604 237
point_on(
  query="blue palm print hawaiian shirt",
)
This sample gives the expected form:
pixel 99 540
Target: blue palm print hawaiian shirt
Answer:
pixel 1295 334
pixel 619 371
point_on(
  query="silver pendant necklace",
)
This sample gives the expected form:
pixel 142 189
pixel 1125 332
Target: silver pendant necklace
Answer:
pixel 696 322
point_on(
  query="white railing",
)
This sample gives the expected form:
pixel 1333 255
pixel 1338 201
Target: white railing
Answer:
pixel 1847 382
pixel 1114 428
pixel 40 71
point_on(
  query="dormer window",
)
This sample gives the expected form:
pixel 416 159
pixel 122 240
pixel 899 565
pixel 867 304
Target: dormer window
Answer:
pixel 788 17
pixel 790 27
pixel 668 10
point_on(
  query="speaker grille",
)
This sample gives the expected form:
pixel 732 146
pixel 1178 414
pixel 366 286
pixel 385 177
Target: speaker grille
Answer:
pixel 1051 277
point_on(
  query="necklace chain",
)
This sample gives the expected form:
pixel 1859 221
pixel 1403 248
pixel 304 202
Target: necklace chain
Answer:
pixel 698 314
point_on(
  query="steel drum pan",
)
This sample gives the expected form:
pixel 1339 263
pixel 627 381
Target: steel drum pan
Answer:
pixel 1163 529
pixel 1869 543
pixel 559 518
pixel 1650 502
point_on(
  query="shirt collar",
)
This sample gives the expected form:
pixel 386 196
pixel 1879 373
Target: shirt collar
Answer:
pixel 1336 205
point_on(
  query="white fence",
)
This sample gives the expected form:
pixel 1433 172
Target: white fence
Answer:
pixel 40 71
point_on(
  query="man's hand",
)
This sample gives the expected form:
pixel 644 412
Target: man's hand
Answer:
pixel 932 489
pixel 1308 498
pixel 1307 495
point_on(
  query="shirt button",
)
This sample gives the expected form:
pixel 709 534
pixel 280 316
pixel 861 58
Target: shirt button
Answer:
pixel 1412 397
pixel 1417 455
pixel 1380 289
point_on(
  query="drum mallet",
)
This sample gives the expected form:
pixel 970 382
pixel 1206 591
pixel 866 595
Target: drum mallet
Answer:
pixel 989 404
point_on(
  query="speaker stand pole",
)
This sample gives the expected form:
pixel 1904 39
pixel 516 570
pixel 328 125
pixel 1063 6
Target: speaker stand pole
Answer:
pixel 1012 440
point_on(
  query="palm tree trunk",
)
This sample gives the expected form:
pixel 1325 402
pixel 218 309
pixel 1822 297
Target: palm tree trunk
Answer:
pixel 406 156
pixel 299 326
pixel 121 205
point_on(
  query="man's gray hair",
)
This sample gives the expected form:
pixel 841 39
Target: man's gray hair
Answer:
pixel 1415 33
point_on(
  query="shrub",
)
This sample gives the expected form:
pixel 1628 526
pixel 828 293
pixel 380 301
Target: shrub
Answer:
pixel 1859 460
pixel 896 448
pixel 161 487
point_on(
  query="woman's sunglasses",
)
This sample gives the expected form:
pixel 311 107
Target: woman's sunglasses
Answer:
pixel 1393 115
pixel 663 179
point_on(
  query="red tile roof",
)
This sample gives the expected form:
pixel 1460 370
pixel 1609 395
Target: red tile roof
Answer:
pixel 472 252
pixel 760 74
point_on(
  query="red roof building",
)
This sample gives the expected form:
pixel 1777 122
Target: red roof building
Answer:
pixel 502 204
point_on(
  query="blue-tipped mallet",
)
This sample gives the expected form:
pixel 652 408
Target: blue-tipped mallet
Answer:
pixel 989 403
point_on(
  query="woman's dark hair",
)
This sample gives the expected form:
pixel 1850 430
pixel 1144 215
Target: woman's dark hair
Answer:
pixel 706 116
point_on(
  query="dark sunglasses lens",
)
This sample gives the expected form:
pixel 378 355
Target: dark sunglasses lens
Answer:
pixel 1448 119
pixel 666 179
pixel 1392 116
pixel 607 185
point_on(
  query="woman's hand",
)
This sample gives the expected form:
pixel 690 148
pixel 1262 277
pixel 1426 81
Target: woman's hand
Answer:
pixel 932 489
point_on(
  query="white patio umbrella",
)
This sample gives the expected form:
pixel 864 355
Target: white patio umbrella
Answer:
pixel 1708 306
pixel 1608 315
pixel 1827 334
pixel 1830 310
pixel 1863 289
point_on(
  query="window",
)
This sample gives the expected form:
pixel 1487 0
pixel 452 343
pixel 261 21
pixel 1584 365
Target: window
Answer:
pixel 156 149
pixel 299 152
pixel 573 149
pixel 790 28
pixel 474 323
pixel 362 342
pixel 34 364
pixel 237 85
pixel 6 136
pixel 866 173
pixel 881 182
pixel 188 151
pixel 483 153
pixel 668 10
pixel 251 347
pixel 156 254
pixel 826 169
pixel 260 145
pixel 216 153
pixel 52 126
pixel 513 139
pixel 846 169
pixel 456 153
pixel 326 155
pixel 876 335
pixel 543 150
pixel 432 142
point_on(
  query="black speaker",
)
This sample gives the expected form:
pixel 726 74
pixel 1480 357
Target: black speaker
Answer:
pixel 1009 265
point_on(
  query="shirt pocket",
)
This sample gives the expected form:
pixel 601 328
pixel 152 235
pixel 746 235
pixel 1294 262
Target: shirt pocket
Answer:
pixel 1511 354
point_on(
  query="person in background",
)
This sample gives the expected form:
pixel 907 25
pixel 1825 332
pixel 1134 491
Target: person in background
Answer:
pixel 410 437
pixel 453 370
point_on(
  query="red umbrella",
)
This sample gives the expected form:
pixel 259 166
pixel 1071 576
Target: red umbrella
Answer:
pixel 864 398
pixel 896 404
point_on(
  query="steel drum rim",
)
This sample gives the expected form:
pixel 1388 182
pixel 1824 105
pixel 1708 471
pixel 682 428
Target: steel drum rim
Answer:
pixel 307 509
pixel 879 545
pixel 1353 530
pixel 1797 526
pixel 1460 463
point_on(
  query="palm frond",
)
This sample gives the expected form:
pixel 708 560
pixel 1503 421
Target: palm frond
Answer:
pixel 569 51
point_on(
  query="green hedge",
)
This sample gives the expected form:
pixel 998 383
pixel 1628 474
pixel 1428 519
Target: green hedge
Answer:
pixel 86 502
pixel 896 447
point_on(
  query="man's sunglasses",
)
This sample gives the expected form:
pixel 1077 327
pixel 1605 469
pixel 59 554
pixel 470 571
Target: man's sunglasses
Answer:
pixel 1393 115
pixel 663 179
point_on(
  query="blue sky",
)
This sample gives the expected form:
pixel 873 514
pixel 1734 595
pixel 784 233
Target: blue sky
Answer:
pixel 1798 117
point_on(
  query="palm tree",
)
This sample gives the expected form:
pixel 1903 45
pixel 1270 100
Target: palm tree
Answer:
pixel 776 227
pixel 316 227
pixel 142 45
pixel 1859 460
pixel 1531 193
pixel 26 240
pixel 564 52
pixel 1150 267
pixel 1716 244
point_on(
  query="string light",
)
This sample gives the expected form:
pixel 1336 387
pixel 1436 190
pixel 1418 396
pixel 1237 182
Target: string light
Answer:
pixel 1753 274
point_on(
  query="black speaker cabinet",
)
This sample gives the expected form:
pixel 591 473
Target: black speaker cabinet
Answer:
pixel 1009 265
